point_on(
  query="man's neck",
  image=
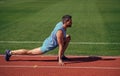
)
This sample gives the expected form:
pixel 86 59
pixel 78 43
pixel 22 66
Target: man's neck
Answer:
pixel 64 26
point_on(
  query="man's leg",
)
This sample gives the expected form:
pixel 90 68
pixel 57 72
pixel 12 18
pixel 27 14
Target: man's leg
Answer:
pixel 66 43
pixel 35 51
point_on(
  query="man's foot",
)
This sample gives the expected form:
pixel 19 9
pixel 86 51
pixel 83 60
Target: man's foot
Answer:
pixel 64 58
pixel 7 55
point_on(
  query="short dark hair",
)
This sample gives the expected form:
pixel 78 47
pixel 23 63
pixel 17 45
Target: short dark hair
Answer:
pixel 66 18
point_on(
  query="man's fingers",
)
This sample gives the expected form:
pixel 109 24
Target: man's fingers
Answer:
pixel 61 64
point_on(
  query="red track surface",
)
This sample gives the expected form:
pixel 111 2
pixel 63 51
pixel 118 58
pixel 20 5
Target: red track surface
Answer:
pixel 48 66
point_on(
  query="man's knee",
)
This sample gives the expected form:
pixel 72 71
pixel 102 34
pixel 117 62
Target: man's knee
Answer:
pixel 68 38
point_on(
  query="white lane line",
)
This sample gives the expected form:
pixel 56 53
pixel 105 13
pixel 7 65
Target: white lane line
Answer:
pixel 96 43
pixel 21 42
pixel 57 56
pixel 60 67
pixel 79 43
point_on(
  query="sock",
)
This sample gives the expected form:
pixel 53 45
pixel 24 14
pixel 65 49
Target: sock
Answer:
pixel 10 53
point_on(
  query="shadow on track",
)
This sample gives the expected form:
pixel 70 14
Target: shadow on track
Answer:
pixel 69 61
pixel 87 59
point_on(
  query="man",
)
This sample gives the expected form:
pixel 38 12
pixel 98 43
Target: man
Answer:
pixel 58 38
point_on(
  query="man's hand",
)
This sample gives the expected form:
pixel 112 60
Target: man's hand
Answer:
pixel 61 62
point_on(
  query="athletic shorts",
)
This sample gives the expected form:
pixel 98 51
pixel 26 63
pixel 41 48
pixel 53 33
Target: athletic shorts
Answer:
pixel 47 46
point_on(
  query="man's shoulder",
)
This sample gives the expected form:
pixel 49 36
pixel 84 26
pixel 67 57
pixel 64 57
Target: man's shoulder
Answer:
pixel 59 23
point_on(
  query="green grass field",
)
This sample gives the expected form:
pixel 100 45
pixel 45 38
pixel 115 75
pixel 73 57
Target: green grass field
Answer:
pixel 94 21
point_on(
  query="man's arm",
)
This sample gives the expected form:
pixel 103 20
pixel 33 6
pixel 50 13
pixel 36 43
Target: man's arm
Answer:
pixel 60 44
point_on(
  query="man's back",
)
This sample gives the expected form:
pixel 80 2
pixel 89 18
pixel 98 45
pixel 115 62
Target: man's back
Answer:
pixel 51 41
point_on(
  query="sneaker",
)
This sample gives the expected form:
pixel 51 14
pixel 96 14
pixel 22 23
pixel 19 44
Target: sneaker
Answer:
pixel 7 55
pixel 64 58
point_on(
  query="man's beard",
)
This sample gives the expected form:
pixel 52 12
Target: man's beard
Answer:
pixel 69 25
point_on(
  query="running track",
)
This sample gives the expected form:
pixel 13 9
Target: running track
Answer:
pixel 48 66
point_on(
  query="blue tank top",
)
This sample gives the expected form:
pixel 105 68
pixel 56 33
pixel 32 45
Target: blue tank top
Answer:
pixel 51 41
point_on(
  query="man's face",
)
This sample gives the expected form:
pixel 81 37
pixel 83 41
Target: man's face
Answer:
pixel 69 23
